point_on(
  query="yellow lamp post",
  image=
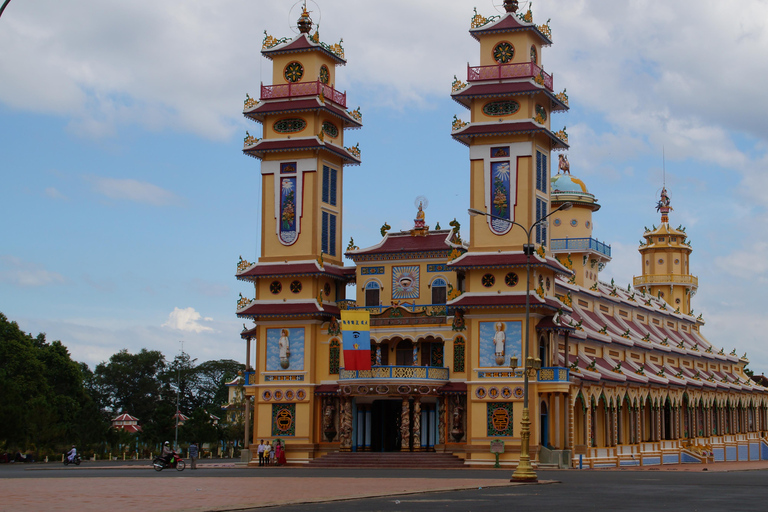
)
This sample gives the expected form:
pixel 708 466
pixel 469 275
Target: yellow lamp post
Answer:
pixel 524 471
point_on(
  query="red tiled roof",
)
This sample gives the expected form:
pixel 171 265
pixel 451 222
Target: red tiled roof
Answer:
pixel 404 242
pixel 262 147
pixel 505 259
pixel 492 300
pixel 261 309
pixel 260 111
pixel 261 270
pixel 499 89
pixel 300 43
pixel 509 23
pixel 491 129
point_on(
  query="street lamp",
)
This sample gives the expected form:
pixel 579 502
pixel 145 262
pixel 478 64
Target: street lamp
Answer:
pixel 524 471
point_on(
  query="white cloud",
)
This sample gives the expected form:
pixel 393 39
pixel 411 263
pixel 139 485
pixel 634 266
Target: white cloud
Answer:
pixel 53 193
pixel 26 274
pixel 187 320
pixel 132 190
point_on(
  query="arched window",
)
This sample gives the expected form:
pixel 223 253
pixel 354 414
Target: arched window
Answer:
pixel 372 294
pixel 439 291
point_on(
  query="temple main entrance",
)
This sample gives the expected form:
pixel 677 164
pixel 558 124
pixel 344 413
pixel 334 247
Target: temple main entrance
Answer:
pixel 385 425
pixel 388 424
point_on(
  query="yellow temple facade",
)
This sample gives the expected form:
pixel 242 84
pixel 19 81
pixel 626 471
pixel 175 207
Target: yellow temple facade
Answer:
pixel 612 377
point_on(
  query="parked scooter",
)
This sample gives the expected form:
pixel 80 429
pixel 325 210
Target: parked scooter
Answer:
pixel 76 460
pixel 176 462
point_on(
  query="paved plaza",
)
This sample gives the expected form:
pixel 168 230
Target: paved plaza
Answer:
pixel 221 486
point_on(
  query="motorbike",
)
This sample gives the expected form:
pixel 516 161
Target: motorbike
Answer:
pixel 176 463
pixel 76 460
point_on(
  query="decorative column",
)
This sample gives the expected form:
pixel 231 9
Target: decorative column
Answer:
pixel 415 354
pixel 615 430
pixel 441 415
pixel 405 426
pixel 416 423
pixel 345 434
pixel 378 354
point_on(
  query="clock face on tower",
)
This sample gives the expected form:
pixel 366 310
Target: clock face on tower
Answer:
pixel 503 52
pixel 293 72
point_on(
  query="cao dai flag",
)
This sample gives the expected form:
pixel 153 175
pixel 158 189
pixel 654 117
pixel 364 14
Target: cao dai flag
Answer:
pixel 356 337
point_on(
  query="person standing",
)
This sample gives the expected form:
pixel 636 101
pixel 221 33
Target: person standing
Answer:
pixel 193 454
pixel 267 454
pixel 260 452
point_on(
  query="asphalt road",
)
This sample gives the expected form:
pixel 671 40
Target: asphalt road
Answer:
pixel 568 490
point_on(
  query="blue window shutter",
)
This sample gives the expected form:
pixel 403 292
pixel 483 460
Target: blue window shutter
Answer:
pixel 324 244
pixel 326 183
pixel 332 237
pixel 334 173
pixel 544 175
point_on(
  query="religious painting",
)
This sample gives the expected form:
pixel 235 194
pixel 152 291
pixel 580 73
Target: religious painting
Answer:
pixel 288 231
pixel 405 282
pixel 498 342
pixel 501 197
pixel 500 152
pixel 285 349
pixel 288 168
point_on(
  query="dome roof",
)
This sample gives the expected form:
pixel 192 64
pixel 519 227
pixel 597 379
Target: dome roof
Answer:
pixel 565 183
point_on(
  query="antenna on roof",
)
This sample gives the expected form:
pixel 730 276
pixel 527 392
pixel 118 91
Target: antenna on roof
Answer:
pixel 663 168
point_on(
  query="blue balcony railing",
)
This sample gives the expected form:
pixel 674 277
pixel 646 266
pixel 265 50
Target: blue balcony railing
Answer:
pixel 580 244
pixel 397 373
pixel 428 309
pixel 553 374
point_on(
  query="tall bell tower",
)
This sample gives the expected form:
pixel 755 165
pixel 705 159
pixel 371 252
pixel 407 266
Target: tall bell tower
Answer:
pixel 299 277
pixel 302 149
pixel 665 256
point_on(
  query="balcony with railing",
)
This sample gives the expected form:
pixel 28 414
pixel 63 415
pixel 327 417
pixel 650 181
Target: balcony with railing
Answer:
pixel 666 279
pixel 436 374
pixel 502 71
pixel 425 309
pixel 553 374
pixel 299 89
pixel 580 244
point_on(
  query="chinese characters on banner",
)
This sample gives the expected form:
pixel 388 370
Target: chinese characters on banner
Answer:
pixel 356 339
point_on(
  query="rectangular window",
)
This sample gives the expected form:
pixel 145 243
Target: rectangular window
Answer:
pixel 328 242
pixel 541 229
pixel 330 181
pixel 333 186
pixel 542 171
pixel 326 183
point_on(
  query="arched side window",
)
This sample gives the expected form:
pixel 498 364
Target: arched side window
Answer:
pixel 458 354
pixel 334 358
pixel 439 291
pixel 372 294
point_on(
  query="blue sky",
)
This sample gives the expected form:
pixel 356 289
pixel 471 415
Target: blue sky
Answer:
pixel 126 200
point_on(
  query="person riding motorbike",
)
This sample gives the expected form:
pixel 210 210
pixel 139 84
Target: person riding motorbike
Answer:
pixel 71 454
pixel 167 452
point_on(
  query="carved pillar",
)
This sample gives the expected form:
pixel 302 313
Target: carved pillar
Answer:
pixel 378 354
pixel 345 436
pixel 441 415
pixel 405 426
pixel 417 423
pixel 615 434
pixel 415 354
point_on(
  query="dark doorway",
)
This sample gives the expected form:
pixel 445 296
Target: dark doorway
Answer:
pixel 385 425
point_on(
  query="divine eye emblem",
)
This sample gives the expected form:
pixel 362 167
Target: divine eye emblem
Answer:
pixel 293 72
pixel 503 52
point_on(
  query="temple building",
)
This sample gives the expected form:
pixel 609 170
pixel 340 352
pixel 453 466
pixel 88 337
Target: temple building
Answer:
pixel 613 376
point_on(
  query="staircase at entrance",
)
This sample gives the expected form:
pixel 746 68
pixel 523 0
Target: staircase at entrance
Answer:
pixel 388 460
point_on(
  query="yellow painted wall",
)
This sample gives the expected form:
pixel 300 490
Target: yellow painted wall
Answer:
pixel 311 62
